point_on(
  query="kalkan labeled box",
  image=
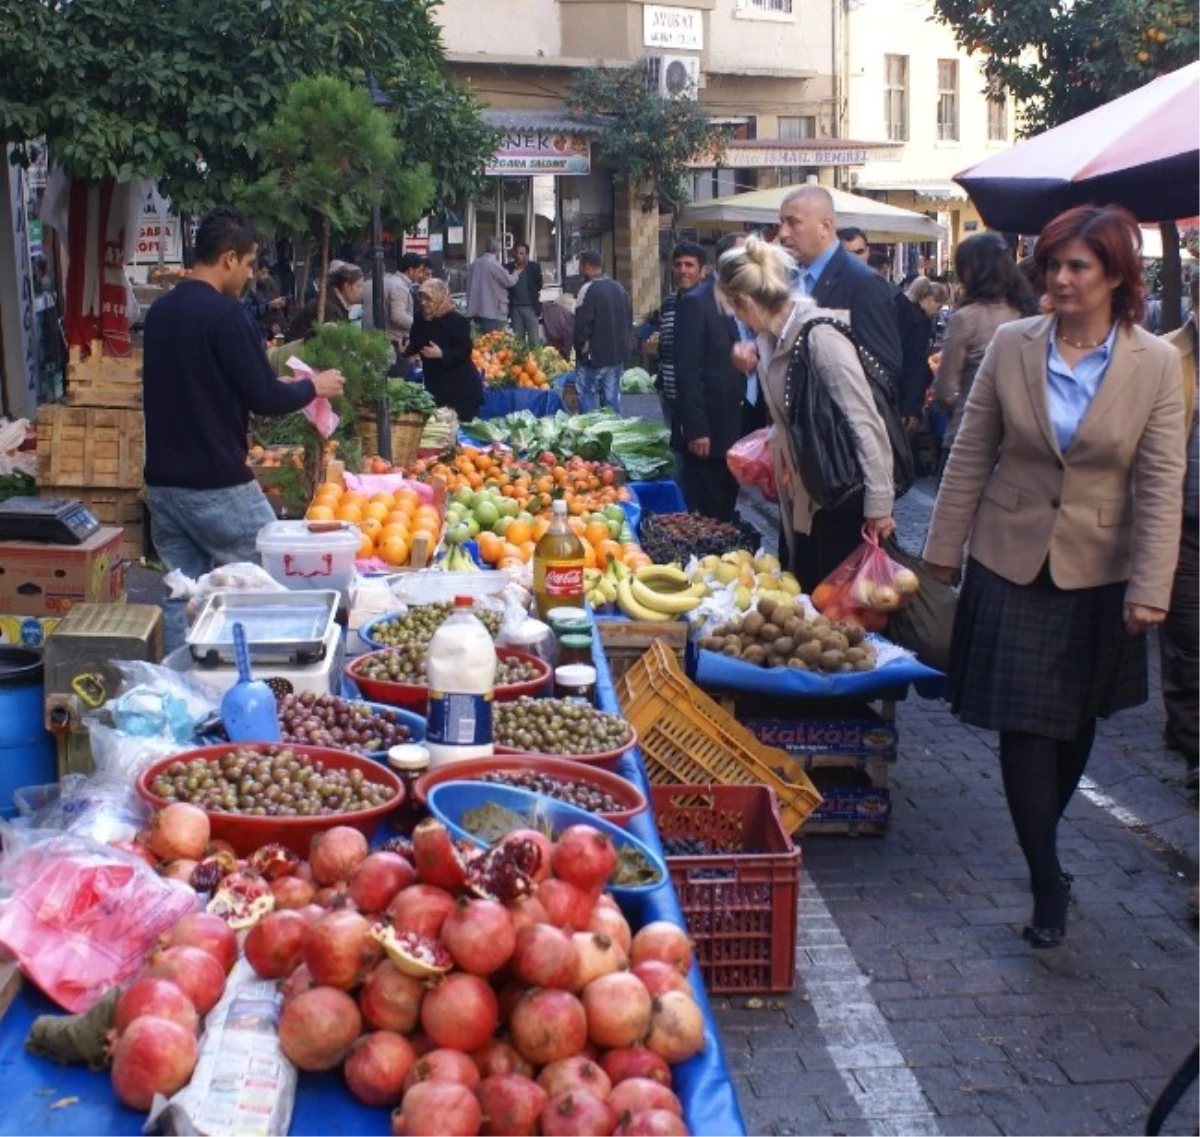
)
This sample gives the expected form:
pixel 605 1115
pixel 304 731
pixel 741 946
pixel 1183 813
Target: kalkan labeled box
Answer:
pixel 41 579
pixel 867 738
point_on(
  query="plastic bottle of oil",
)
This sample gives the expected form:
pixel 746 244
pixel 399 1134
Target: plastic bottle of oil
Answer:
pixel 558 566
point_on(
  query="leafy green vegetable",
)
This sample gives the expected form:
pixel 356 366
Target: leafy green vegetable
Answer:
pixel 637 381
pixel 409 398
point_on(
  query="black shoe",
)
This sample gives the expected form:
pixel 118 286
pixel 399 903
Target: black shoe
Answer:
pixel 1043 937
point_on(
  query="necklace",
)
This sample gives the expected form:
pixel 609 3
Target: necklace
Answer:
pixel 1081 345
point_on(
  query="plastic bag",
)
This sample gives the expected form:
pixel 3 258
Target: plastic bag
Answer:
pixel 238 577
pixel 866 587
pixel 749 461
pixel 101 808
pixel 320 411
pixel 83 917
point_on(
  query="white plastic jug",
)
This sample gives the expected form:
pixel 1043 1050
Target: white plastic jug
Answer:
pixel 460 668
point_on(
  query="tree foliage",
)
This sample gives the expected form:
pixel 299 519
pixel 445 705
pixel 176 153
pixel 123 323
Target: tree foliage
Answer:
pixel 174 89
pixel 648 139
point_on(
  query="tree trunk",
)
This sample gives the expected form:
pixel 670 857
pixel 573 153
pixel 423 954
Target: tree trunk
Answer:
pixel 324 270
pixel 1172 277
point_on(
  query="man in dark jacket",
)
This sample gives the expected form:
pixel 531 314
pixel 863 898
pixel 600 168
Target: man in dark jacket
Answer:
pixel 603 336
pixel 525 297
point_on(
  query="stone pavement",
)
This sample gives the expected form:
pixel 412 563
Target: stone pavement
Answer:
pixel 919 1009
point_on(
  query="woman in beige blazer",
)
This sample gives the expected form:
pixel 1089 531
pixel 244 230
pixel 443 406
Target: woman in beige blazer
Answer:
pixel 1066 479
pixel 753 284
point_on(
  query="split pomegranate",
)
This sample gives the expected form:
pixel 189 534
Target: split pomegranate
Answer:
pixel 547 1025
pixel 595 955
pixel 293 893
pixel 545 847
pixel 213 868
pixel 659 977
pixel 576 1113
pixel 635 1095
pixel 157 997
pixel 209 933
pixel 193 970
pixel 335 854
pixel 376 1067
pixel 566 905
pixel 635 1062
pixel 676 1027
pixel 608 920
pixel 545 956
pixel 390 1000
pixel 435 858
pixel 181 869
pixel 461 1012
pixel 420 908
pixel 273 862
pixel 443 1066
pixel 511 1105
pixel 480 936
pixel 179 830
pixel 317 1027
pixel 652 1123
pixel 153 1056
pixel 618 1010
pixel 576 1073
pixel 339 950
pixel 584 857
pixel 275 945
pixel 377 880
pixel 298 981
pixel 506 871
pixel 499 1056
pixel 418 956
pixel 242 899
pixel 438 1109
pixel 661 939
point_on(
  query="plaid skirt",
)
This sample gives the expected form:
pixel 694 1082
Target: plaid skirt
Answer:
pixel 1040 659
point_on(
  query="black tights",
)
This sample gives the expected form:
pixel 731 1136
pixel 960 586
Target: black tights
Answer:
pixel 1040 775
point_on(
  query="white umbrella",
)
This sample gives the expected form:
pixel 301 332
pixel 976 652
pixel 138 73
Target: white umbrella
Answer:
pixel 880 221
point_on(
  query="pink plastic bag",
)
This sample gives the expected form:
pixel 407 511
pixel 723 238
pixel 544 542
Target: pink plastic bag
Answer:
pixel 320 411
pixel 371 484
pixel 749 461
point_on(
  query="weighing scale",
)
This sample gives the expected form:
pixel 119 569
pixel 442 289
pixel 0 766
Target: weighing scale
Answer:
pixel 56 520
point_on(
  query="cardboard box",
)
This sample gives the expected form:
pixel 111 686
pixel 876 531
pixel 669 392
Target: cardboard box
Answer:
pixel 855 801
pixel 26 631
pixel 867 738
pixel 40 579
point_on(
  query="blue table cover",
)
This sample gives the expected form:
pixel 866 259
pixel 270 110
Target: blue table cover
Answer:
pixel 499 401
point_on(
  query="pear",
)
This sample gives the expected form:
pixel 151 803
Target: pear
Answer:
pixel 709 563
pixel 725 572
pixel 745 577
pixel 789 584
pixel 767 580
pixel 767 563
pixel 741 597
pixel 739 557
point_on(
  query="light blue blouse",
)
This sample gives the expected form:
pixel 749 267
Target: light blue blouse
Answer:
pixel 1071 391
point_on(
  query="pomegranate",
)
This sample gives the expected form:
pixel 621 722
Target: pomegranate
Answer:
pixel 153 1056
pixel 438 1109
pixel 547 1025
pixel 607 920
pixel 335 854
pixel 399 844
pixel 480 936
pixel 661 939
pixel 659 977
pixel 595 955
pixel 652 1123
pixel 300 980
pixel 212 869
pixel 317 1027
pixel 511 1105
pixel 390 1000
pixel 334 896
pixel 545 956
pixel 219 846
pixel 584 857
pixel 461 1012
pixel 339 950
pixel 618 1010
pixel 637 1094
pixel 181 869
pixel 575 1074
pixel 566 905
pixel 273 862
pixel 499 1056
pixel 420 908
pixel 418 956
pixel 505 872
pixel 209 933
pixel 576 1113
pixel 275 945
pixel 193 970
pixel 241 900
pixel 422 1044
pixel 312 912
pixel 635 1062
pixel 292 892
pixel 526 913
pixel 376 1067
pixel 435 858
pixel 545 847
pixel 377 880
pixel 443 1066
pixel 158 997
pixel 179 830
pixel 676 1027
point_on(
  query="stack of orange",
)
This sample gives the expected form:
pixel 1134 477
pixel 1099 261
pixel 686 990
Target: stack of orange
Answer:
pixel 505 362
pixel 388 522
pixel 520 540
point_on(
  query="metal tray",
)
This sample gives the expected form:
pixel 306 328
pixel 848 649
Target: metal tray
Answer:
pixel 287 626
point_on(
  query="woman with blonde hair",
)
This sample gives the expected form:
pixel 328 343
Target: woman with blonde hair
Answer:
pixel 442 338
pixel 753 284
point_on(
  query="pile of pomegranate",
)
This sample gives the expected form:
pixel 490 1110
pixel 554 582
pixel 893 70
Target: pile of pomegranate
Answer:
pixel 475 992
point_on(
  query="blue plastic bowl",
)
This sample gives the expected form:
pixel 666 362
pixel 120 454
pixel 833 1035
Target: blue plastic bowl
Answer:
pixel 415 723
pixel 366 632
pixel 449 801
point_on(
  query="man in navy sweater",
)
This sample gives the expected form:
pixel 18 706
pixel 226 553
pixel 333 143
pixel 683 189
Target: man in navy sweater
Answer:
pixel 204 373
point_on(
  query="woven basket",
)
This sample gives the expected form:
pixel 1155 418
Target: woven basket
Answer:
pixel 406 436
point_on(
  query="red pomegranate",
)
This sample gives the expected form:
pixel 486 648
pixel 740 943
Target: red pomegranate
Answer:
pixel 511 1105
pixel 461 1012
pixel 339 951
pixel 194 970
pixel 377 880
pixel 545 956
pixel 335 854
pixel 526 913
pixel 618 1010
pixel 576 1113
pixel 317 1027
pixel 652 1123
pixel 608 920
pixel 566 905
pixel 547 1025
pixel 676 1027
pixel 634 1095
pixel 420 908
pixel 499 1056
pixel 595 955
pixel 479 935
pixel 576 1073
pixel 179 830
pixel 376 1067
pixel 635 1062
pixel 152 1056
pixel 435 858
pixel 299 980
pixel 443 1066
pixel 209 932
pixel 292 892
pixel 438 1109
pixel 275 945
pixel 662 940
pixel 585 857
pixel 158 997
pixel 659 977
pixel 545 847
pixel 390 1000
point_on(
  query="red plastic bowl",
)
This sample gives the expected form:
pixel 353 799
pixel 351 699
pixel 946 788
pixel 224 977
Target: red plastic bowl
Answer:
pixel 246 833
pixel 606 761
pixel 415 697
pixel 626 794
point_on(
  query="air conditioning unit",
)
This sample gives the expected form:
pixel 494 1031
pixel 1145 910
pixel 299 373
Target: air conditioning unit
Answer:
pixel 674 76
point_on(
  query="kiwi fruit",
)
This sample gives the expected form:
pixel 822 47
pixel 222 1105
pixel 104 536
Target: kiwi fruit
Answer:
pixel 774 659
pixel 783 613
pixel 854 635
pixel 770 632
pixel 766 607
pixel 784 646
pixel 713 643
pixel 752 623
pixel 793 626
pixel 755 653
pixel 846 667
pixel 831 660
pixel 797 664
pixel 865 665
pixel 733 650
pixel 809 652
pixel 855 655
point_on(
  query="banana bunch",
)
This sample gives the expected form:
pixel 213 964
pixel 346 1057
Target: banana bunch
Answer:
pixel 601 588
pixel 457 559
pixel 657 593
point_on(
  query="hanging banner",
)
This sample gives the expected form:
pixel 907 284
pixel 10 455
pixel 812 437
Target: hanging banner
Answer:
pixel 527 152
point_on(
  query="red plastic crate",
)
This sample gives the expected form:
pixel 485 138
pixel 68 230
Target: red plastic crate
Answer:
pixel 741 903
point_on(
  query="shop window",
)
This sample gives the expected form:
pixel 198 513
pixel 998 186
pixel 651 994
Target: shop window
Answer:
pixel 798 126
pixel 895 97
pixel 947 107
pixel 997 113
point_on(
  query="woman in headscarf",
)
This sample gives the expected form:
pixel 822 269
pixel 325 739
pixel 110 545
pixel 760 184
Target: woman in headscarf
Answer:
pixel 442 338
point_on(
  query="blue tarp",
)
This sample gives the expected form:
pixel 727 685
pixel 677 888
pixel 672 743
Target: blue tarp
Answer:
pixel 499 401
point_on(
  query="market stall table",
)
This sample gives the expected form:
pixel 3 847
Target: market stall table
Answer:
pixel 499 401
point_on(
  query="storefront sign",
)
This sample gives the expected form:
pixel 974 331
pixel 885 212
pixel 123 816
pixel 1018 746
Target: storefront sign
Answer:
pixel 158 226
pixel 739 156
pixel 526 152
pixel 672 27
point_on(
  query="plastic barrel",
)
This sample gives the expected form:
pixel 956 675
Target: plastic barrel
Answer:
pixel 28 753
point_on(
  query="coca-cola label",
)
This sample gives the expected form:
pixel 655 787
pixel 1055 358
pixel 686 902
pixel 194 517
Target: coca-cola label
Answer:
pixel 563 579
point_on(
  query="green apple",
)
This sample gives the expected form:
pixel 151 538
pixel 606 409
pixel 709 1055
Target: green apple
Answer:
pixel 614 513
pixel 487 514
pixel 501 526
pixel 457 534
pixel 462 495
pixel 614 529
pixel 478 498
pixel 473 526
pixel 528 518
pixel 509 507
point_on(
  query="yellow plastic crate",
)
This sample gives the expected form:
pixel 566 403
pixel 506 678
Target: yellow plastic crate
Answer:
pixel 686 738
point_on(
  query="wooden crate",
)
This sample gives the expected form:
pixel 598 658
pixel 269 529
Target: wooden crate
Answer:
pixel 90 446
pixel 99 380
pixel 120 507
pixel 626 641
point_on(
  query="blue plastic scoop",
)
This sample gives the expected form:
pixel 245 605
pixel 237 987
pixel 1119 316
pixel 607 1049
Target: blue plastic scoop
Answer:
pixel 248 708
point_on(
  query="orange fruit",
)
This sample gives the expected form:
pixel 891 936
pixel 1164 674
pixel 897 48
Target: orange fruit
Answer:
pixel 490 546
pixel 608 548
pixel 349 512
pixel 394 550
pixel 407 494
pixel 383 498
pixel 371 526
pixel 320 512
pixel 596 531
pixel 539 528
pixel 398 517
pixel 428 513
pixel 527 548
pixel 331 488
pixel 377 511
pixel 393 530
pixel 355 497
pixel 366 547
pixel 519 532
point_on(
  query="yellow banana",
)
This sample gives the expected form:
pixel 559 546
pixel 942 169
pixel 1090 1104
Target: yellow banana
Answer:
pixel 633 609
pixel 674 603
pixel 663 575
pixel 619 569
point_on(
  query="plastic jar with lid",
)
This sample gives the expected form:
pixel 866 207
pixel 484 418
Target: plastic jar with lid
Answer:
pixel 409 761
pixel 575 681
pixel 575 648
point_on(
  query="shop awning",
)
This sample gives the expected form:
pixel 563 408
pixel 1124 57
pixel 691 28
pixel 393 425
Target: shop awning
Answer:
pixel 880 221
pixel 935 191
